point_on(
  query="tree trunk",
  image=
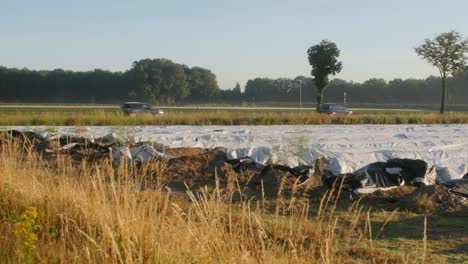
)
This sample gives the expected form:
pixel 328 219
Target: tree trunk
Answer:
pixel 319 99
pixel 442 101
pixel 321 83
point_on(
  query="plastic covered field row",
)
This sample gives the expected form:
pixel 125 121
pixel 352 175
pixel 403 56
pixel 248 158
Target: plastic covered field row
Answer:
pixel 347 147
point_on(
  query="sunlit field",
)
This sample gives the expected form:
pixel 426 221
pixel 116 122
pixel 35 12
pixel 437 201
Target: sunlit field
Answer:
pixel 330 132
pixel 56 210
pixel 106 115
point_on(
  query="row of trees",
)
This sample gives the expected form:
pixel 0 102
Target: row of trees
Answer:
pixel 159 81
pixel 164 82
pixel 408 91
pixel 446 52
pixel 61 86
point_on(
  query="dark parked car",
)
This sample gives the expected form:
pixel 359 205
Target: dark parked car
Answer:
pixel 332 109
pixel 137 107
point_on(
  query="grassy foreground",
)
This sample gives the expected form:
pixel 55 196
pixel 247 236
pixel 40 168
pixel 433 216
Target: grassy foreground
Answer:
pixel 114 118
pixel 55 211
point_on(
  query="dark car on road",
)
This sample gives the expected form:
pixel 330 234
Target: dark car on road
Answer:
pixel 128 108
pixel 331 108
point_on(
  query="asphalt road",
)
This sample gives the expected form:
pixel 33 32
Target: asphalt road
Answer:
pixel 51 106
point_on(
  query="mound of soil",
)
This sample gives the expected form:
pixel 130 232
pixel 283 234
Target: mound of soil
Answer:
pixel 434 199
pixel 198 168
pixel 423 199
pixel 180 152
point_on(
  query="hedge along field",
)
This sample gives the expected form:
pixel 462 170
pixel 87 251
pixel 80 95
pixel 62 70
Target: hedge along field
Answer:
pixel 101 117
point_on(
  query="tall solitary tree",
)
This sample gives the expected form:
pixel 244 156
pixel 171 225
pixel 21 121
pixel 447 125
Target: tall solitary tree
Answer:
pixel 324 61
pixel 446 52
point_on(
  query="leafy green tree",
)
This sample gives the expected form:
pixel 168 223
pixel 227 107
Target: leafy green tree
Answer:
pixel 237 88
pixel 324 61
pixel 232 96
pixel 260 89
pixel 159 81
pixel 202 84
pixel 236 93
pixel 446 52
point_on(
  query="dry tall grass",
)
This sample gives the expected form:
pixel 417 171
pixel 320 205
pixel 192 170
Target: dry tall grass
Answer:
pixel 94 213
pixel 100 118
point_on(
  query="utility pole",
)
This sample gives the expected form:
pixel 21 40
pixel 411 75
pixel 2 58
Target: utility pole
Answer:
pixel 344 98
pixel 300 96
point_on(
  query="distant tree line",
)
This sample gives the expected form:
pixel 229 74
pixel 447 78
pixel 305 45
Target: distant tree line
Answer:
pixel 161 81
pixel 61 86
pixel 408 91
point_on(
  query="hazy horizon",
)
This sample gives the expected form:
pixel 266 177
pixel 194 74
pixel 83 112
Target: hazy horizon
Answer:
pixel 237 41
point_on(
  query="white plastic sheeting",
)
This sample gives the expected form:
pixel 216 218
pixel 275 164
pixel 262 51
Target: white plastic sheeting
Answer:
pixel 348 147
pixel 147 152
pixel 122 153
pixel 143 153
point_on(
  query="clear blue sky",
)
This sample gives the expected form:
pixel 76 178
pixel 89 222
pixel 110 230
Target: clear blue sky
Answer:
pixel 237 40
